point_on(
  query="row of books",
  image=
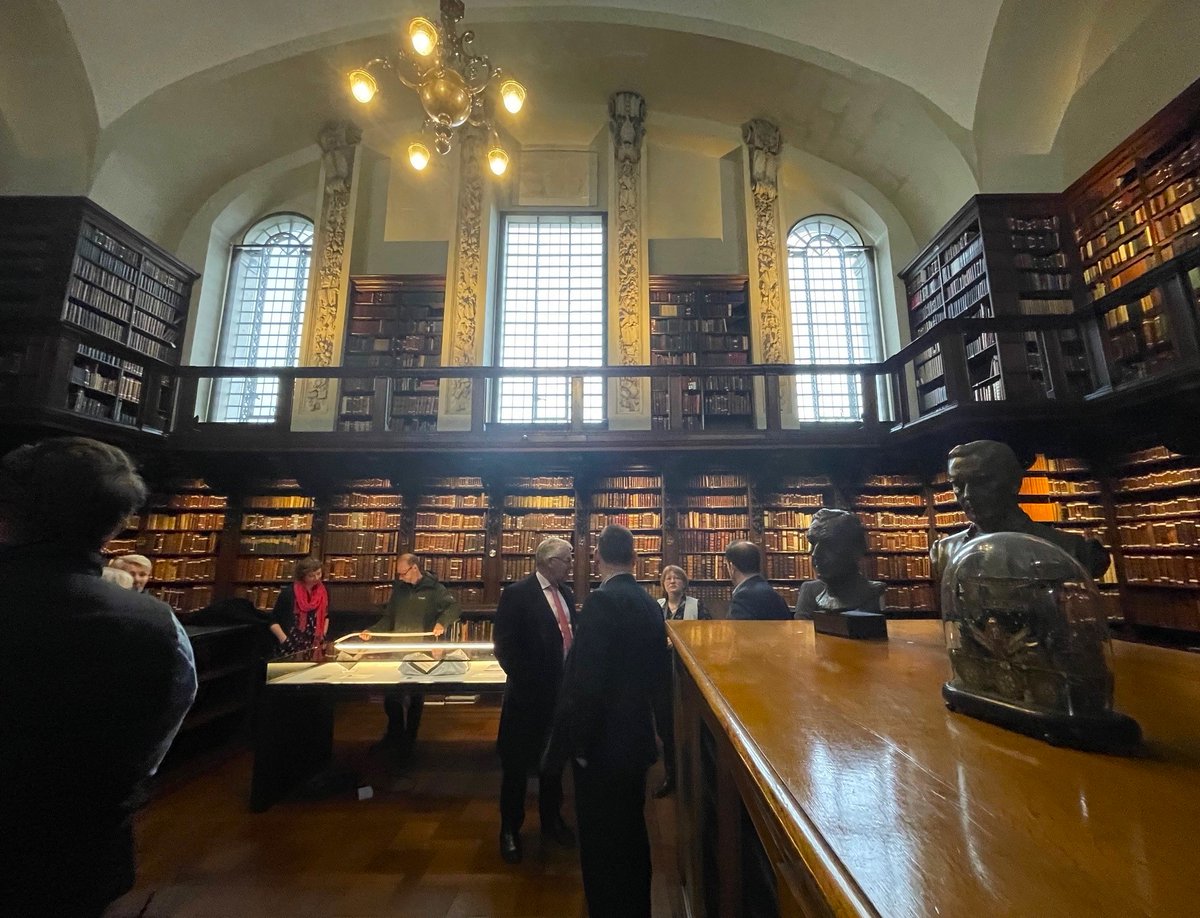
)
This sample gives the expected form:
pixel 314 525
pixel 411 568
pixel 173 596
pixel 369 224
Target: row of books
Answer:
pixel 298 544
pixel 453 568
pixel 914 597
pixel 157 520
pixel 789 567
pixel 280 502
pixel 622 500
pixel 449 542
pixel 175 543
pixel 265 568
pixel 525 541
pixel 1150 481
pixel 897 567
pixel 362 542
pixel 1167 569
pixel 889 500
pixel 449 520
pixel 1176 507
pixel 361 567
pixel 551 522
pixel 540 501
pixel 184 568
pixel 367 519
pixel 357 500
pixel 465 501
pixel 898 540
pixel 269 523
pixel 698 519
pixel 792 499
pixel 1160 534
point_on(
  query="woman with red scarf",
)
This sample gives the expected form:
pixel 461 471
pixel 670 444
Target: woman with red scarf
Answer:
pixel 301 614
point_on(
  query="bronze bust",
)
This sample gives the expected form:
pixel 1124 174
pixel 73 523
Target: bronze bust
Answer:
pixel 838 541
pixel 986 477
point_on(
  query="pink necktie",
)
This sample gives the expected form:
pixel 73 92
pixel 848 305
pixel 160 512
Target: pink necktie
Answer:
pixel 560 612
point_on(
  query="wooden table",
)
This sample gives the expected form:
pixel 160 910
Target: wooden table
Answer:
pixel 824 776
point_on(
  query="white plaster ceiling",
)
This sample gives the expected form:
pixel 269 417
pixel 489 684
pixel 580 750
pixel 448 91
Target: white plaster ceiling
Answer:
pixel 133 48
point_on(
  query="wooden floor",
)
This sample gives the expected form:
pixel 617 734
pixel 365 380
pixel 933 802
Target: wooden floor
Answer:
pixel 425 845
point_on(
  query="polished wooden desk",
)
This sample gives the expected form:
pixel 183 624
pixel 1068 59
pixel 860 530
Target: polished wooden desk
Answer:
pixel 824 776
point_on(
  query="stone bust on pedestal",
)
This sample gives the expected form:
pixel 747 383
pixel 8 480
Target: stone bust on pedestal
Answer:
pixel 986 477
pixel 838 541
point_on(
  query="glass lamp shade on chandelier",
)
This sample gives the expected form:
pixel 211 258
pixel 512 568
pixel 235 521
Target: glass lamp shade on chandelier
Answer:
pixel 455 85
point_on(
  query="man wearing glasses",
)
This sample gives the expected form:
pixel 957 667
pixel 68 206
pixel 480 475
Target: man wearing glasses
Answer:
pixel 419 604
pixel 533 631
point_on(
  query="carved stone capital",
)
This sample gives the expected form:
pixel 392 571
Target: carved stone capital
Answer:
pixel 335 134
pixel 627 121
pixel 763 140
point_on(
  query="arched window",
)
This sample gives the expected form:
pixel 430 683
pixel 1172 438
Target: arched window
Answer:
pixel 832 284
pixel 264 310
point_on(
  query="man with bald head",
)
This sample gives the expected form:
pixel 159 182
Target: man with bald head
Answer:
pixel 533 630
pixel 986 477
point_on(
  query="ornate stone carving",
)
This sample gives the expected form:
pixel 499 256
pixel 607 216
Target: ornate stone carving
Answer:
pixel 338 141
pixel 763 142
pixel 627 116
pixel 469 278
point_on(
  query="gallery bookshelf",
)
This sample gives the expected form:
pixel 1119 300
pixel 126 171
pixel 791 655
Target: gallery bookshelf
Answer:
pixel 365 531
pixel 1156 497
pixel 450 534
pixel 1000 255
pixel 895 510
pixel 535 507
pixel 395 323
pixel 180 531
pixel 711 510
pixel 786 507
pixel 1077 500
pixel 633 498
pixel 276 531
pixel 701 321
pixel 97 312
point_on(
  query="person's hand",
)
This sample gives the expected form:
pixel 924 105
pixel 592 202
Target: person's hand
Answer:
pixel 364 635
pixel 439 629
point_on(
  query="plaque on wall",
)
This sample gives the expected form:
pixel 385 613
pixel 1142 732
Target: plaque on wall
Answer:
pixel 557 178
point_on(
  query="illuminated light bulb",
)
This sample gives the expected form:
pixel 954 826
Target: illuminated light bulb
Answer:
pixel 513 94
pixel 418 155
pixel 363 86
pixel 423 35
pixel 498 161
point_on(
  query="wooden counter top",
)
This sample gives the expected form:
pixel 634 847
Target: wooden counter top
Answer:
pixel 899 807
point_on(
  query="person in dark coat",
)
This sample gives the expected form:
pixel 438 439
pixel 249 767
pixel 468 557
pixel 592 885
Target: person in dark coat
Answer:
pixel 752 596
pixel 88 718
pixel 605 727
pixel 533 633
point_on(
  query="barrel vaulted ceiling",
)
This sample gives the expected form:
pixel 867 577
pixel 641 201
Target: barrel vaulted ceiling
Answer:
pixel 168 101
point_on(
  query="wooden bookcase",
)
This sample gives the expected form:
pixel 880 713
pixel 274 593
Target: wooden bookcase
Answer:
pixel 277 525
pixel 786 509
pixel 632 498
pixel 896 512
pixel 1000 255
pixel 394 323
pixel 96 313
pixel 711 510
pixel 701 321
pixel 181 532
pixel 1157 510
pixel 536 507
pixel 365 532
pixel 451 534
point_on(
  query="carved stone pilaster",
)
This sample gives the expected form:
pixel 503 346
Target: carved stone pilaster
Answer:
pixel 763 143
pixel 315 406
pixel 629 316
pixel 466 291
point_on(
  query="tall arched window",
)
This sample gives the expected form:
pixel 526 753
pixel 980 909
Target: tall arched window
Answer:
pixel 831 279
pixel 264 310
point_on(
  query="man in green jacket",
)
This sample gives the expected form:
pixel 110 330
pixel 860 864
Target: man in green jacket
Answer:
pixel 419 604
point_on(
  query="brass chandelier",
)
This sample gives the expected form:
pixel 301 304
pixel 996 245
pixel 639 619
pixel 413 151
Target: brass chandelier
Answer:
pixel 451 81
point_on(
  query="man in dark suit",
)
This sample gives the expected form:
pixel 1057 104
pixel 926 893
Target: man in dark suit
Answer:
pixel 532 634
pixel 84 727
pixel 752 596
pixel 605 727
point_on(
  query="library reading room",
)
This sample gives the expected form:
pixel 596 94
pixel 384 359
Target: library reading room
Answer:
pixel 762 435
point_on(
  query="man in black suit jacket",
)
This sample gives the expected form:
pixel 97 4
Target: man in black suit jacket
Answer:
pixel 605 727
pixel 532 632
pixel 84 727
pixel 752 596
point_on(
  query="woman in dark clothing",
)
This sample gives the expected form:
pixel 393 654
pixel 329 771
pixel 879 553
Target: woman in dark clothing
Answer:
pixel 301 614
pixel 676 604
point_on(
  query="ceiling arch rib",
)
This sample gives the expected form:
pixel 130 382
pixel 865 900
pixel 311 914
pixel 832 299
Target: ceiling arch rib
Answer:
pixel 217 128
pixel 133 49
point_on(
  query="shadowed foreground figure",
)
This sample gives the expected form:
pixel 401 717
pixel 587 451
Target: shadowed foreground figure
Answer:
pixel 605 727
pixel 96 691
